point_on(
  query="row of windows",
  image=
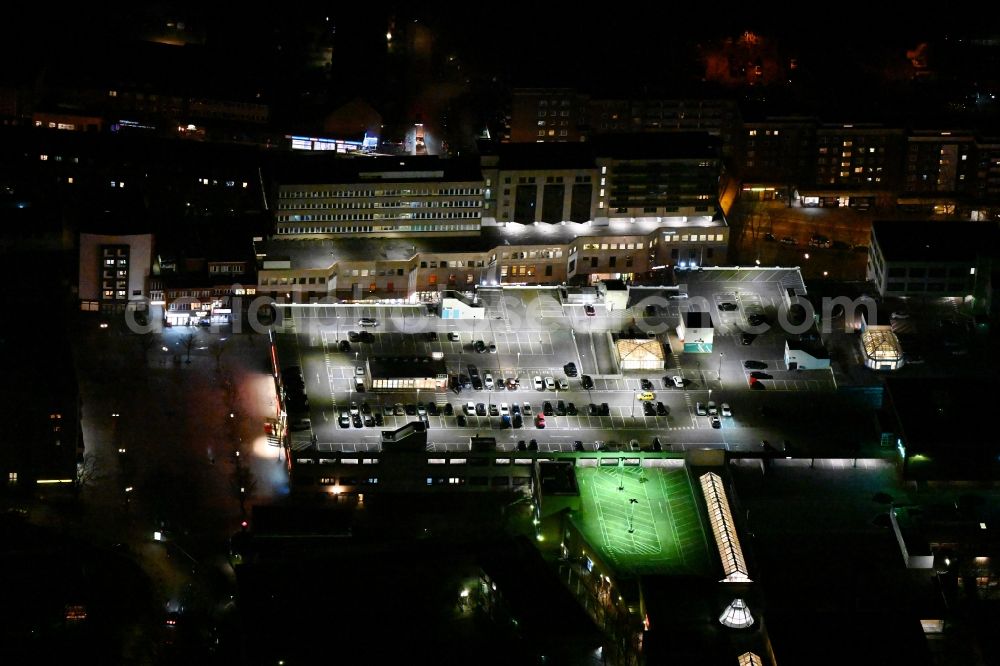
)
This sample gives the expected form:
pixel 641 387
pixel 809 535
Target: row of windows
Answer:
pixel 694 238
pixel 464 215
pixel 422 192
pixel 461 203
pixel 380 229
pixel 452 264
pixel 293 280
pixel 612 246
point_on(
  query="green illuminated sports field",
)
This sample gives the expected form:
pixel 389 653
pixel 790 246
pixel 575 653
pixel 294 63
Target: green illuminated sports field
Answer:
pixel 661 532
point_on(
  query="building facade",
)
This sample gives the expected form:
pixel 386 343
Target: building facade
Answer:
pixel 114 271
pixel 931 259
pixel 381 197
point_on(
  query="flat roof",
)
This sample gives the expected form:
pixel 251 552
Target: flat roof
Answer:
pixel 667 534
pixel 317 169
pixel 935 420
pixel 924 242
pixel 406 367
pixel 657 146
pixel 697 319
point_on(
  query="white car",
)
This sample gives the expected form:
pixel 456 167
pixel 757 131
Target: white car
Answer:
pixel 504 409
pixel 712 409
pixel 678 381
pixel 359 371
pixel 454 337
pixel 367 321
pixel 563 384
pixel 550 384
pixel 538 383
pixel 470 408
pixel 488 381
pixel 699 409
pixel 726 411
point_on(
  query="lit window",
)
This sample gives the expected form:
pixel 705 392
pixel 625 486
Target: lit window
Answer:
pixel 43 158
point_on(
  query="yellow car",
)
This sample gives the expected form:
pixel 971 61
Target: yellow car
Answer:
pixel 647 395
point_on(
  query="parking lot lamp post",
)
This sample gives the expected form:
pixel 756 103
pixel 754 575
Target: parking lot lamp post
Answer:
pixel 517 370
pixel 720 365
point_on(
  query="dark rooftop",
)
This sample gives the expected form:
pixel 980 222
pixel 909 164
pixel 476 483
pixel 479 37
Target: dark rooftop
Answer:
pixel 516 156
pixel 935 241
pixel 935 422
pixel 661 145
pixel 696 319
pixel 311 168
pixel 406 367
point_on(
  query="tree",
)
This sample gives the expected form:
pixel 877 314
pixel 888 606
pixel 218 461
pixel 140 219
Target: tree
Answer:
pixel 188 341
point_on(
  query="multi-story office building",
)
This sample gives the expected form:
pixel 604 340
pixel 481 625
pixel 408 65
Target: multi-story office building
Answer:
pixel 619 207
pixel 548 115
pixel 540 183
pixel 987 179
pixel 384 196
pixel 931 259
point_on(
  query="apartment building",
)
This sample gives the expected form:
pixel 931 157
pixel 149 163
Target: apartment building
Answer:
pixel 382 196
pixel 776 155
pixel 114 270
pixel 548 115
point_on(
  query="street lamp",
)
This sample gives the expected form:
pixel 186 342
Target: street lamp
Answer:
pixel 720 365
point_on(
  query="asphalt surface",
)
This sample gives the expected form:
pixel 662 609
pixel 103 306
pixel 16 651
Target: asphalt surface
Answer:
pixel 536 336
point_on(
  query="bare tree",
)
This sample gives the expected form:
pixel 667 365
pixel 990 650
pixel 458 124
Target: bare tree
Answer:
pixel 88 472
pixel 188 341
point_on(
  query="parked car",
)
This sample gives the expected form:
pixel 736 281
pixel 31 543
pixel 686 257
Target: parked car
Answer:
pixel 676 381
pixel 367 321
pixel 648 409
pixel 560 408
pixel 571 409
pixel 353 336
pixel 661 409
pixel 788 240
pixel 747 338
pixel 480 409
pixel 716 423
pixel 493 348
pixel 345 420
pixel 539 386
pixel 570 369
pixel 757 374
pixel 563 384
pixel 550 384
pixel 344 346
pixel 488 381
pixel 494 410
pixel 448 409
pixel 454 337
pixel 713 409
pixel 511 383
pixel 726 410
pixel 605 409
pixel 589 310
pixel 754 365
pixel 539 421
pixel 547 408
pixel 700 410
pixel 728 307
pixel 526 408
pixel 647 395
pixel 479 346
pixel 587 381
